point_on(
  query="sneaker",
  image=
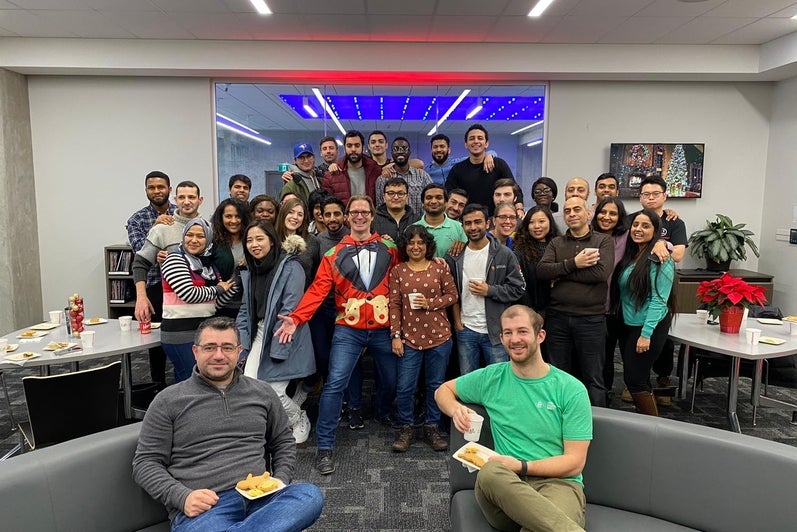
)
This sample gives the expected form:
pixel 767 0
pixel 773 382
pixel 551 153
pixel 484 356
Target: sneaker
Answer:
pixel 300 396
pixel 404 438
pixel 431 435
pixel 626 396
pixel 323 462
pixel 301 429
pixel 356 419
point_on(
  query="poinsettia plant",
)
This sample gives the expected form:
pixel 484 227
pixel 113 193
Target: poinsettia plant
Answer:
pixel 729 291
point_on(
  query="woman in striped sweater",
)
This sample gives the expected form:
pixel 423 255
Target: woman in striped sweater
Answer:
pixel 192 290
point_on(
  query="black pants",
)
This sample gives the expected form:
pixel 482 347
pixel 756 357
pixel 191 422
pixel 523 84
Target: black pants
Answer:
pixel 576 344
pixel 157 358
pixel 637 366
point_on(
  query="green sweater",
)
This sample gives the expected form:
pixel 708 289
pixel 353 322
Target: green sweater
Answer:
pixel 655 307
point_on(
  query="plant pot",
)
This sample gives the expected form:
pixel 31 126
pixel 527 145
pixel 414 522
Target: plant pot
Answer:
pixel 731 319
pixel 714 266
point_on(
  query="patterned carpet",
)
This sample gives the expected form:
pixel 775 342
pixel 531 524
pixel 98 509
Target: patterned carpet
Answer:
pixel 376 489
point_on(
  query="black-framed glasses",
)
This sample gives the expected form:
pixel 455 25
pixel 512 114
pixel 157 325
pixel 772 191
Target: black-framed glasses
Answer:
pixel 506 217
pixel 542 191
pixel 209 349
pixel 653 195
pixel 395 194
pixel 355 214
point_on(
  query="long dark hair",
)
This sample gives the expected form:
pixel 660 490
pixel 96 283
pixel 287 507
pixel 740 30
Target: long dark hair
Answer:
pixel 525 244
pixel 220 234
pixel 620 228
pixel 639 283
pixel 420 231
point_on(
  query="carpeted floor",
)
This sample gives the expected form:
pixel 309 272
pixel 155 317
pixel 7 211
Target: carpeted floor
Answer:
pixel 376 489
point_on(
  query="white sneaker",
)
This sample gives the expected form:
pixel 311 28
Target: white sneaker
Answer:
pixel 301 429
pixel 299 396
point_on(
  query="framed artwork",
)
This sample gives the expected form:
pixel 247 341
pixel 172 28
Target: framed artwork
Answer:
pixel 680 165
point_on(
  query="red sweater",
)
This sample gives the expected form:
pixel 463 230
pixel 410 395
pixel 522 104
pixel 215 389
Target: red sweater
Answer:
pixel 360 274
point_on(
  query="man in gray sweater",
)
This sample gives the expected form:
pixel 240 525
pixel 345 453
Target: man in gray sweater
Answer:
pixel 200 436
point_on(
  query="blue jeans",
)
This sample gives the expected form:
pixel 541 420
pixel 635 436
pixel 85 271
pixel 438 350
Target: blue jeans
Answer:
pixel 473 347
pixel 435 360
pixel 322 328
pixel 182 357
pixel 292 509
pixel 347 346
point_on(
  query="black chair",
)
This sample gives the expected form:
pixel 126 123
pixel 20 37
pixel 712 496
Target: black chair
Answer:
pixel 17 447
pixel 71 405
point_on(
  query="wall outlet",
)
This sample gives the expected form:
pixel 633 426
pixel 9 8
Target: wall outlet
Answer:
pixel 792 236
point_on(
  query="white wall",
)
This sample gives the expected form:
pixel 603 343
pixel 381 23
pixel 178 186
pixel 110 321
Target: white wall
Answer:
pixel 732 119
pixel 94 140
pixel 780 195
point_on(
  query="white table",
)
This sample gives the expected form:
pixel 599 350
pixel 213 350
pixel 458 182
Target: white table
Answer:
pixel 687 330
pixel 109 340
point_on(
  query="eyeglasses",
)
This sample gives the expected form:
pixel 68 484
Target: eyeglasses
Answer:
pixel 209 349
pixel 400 149
pixel 394 194
pixel 505 217
pixel 543 191
pixel 354 214
pixel 653 195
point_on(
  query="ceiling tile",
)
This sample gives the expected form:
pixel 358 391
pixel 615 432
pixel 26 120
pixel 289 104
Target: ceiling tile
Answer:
pixel 216 26
pixel 318 7
pixel 52 4
pixel 758 32
pixel 671 8
pixel 191 6
pixel 120 5
pixel 703 30
pixel 29 24
pixel 4 4
pixel 461 28
pixel 786 13
pixel 275 27
pixel 749 8
pixel 337 27
pixel 618 8
pixel 150 25
pixel 470 7
pixel 399 27
pixel 521 29
pixel 642 30
pixel 404 7
pixel 85 24
pixel 574 29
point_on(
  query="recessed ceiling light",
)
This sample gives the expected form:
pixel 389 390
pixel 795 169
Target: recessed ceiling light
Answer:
pixel 541 6
pixel 261 7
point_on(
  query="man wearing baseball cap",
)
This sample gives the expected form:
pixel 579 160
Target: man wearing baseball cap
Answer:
pixel 304 179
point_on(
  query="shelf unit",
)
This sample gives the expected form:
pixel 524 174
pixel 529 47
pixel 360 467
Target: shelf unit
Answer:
pixel 120 290
pixel 687 281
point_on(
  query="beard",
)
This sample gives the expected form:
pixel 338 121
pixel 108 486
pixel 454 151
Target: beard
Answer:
pixel 440 159
pixel 354 158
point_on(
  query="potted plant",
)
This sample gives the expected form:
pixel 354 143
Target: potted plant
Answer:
pixel 727 297
pixel 721 242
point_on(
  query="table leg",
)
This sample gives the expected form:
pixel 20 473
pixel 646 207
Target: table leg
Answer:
pixel 733 393
pixel 684 373
pixel 127 385
pixel 755 392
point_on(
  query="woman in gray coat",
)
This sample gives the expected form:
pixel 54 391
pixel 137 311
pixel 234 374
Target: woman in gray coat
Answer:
pixel 273 284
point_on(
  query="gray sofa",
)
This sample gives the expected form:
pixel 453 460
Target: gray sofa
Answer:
pixel 652 474
pixel 84 484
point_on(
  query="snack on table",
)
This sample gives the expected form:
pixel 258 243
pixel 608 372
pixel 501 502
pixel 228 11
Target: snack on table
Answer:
pixel 54 346
pixel 259 485
pixel 28 354
pixel 94 320
pixel 28 334
pixel 470 454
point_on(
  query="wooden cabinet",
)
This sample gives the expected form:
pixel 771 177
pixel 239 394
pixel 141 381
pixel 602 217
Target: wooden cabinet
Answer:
pixel 119 286
pixel 687 281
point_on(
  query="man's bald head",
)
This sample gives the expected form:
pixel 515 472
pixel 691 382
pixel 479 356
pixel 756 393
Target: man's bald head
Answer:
pixel 577 186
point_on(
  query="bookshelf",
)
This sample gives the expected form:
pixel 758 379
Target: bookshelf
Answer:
pixel 119 286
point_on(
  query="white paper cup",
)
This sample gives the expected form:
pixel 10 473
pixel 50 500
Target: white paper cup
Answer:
pixel 125 322
pixel 55 316
pixel 752 335
pixel 792 327
pixel 413 300
pixel 3 346
pixel 475 430
pixel 590 250
pixel 87 339
pixel 476 279
pixel 702 316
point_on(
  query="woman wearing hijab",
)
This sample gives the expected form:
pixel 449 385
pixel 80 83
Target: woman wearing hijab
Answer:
pixel 273 284
pixel 192 290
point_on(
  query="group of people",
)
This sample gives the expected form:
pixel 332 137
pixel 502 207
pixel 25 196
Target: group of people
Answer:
pixel 446 260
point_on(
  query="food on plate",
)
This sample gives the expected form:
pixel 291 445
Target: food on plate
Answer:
pixel 28 354
pixel 94 320
pixel 255 486
pixel 470 454
pixel 54 346
pixel 28 334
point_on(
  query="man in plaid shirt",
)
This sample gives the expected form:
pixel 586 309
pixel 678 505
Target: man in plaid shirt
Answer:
pixel 160 210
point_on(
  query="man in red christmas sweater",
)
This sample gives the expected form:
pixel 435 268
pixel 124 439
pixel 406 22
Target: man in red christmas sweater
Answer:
pixel 359 269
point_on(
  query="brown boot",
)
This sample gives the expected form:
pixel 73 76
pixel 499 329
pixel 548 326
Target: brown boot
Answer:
pixel 626 396
pixel 645 403
pixel 432 436
pixel 404 438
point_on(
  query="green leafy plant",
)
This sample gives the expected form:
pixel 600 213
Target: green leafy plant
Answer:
pixel 721 241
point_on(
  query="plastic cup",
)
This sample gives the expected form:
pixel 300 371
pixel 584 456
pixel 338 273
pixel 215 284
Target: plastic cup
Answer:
pixel 413 300
pixel 792 327
pixel 752 335
pixel 3 346
pixel 125 322
pixel 145 327
pixel 702 316
pixel 55 316
pixel 475 430
pixel 87 339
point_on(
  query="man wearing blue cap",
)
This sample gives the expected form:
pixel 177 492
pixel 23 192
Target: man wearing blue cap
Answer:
pixel 304 180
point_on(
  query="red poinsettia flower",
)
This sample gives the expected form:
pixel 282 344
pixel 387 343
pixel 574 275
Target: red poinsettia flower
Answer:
pixel 729 291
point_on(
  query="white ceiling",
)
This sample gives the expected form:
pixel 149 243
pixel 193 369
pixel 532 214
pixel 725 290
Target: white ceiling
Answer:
pixel 495 21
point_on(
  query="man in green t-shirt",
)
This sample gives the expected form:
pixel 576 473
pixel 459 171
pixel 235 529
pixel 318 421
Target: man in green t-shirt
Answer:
pixel 541 423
